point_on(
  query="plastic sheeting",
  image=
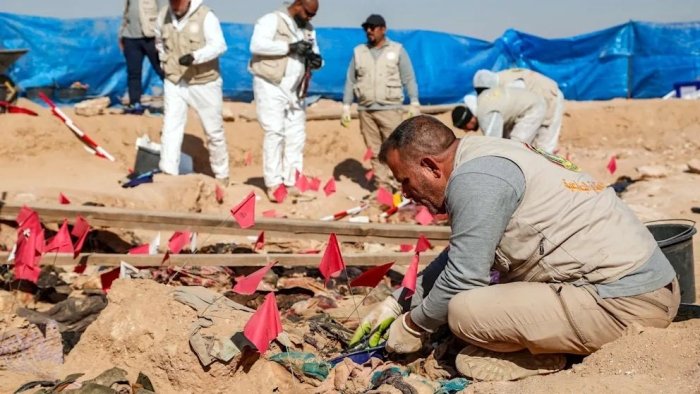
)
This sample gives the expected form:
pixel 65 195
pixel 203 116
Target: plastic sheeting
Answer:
pixel 635 59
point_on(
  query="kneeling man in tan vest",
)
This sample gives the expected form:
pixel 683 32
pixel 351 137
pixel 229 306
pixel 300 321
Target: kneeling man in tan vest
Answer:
pixel 542 261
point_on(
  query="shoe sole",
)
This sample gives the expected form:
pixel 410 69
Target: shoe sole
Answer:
pixel 485 365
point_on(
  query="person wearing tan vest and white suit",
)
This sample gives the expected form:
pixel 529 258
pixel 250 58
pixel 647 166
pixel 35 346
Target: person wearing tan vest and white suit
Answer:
pixel 189 41
pixel 379 71
pixel 283 46
pixel 543 259
pixel 547 135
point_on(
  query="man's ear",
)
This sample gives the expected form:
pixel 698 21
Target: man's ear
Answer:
pixel 431 165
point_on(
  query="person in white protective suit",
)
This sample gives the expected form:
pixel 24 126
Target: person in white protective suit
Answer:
pixel 189 42
pixel 284 51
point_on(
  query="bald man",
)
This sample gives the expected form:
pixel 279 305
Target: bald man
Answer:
pixel 284 50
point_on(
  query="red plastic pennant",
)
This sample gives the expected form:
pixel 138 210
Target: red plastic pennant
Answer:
pixel 166 257
pixel 329 188
pixel 411 276
pixel 612 165
pixel 405 248
pixel 368 155
pixel 369 175
pixel 248 159
pixel 422 244
pixel 244 212
pixel 384 197
pixel 280 193
pixel 62 199
pixel 260 242
pixel 27 255
pixel 28 218
pixel 332 261
pixel 61 242
pixel 219 194
pixel 424 217
pixel 14 109
pixel 265 324
pixel 141 249
pixel 302 183
pixel 177 242
pixel 81 228
pixel 247 285
pixel 108 277
pixel 372 276
pixel 315 184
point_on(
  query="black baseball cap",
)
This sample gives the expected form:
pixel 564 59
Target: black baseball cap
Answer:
pixel 374 20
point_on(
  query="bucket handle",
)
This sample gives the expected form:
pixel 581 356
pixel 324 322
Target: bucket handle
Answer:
pixel 689 230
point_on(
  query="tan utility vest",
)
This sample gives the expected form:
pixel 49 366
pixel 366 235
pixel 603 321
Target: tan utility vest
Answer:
pixel 568 227
pixel 148 12
pixel 536 83
pixel 179 43
pixel 272 68
pixel 511 103
pixel 378 81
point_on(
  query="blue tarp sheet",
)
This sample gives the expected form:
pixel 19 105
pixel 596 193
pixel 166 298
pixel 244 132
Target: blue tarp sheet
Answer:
pixel 636 59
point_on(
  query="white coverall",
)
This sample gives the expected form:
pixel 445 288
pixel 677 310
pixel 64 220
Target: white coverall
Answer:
pixel 206 99
pixel 280 112
pixel 524 129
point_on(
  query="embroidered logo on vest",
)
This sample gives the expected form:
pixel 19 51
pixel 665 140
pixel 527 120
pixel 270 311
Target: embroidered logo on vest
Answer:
pixel 555 159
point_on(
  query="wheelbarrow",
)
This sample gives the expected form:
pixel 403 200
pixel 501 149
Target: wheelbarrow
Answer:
pixel 8 88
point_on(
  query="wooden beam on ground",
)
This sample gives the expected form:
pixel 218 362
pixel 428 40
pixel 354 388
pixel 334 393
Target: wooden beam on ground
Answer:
pixel 224 224
pixel 228 260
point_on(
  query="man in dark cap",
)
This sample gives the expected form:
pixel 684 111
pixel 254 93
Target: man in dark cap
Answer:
pixel 379 71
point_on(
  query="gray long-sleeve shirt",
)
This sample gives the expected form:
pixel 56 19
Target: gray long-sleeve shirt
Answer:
pixel 482 195
pixel 408 80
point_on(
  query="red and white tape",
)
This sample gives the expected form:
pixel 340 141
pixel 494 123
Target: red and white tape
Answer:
pixel 342 214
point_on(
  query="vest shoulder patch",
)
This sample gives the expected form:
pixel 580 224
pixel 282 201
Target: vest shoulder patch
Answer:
pixel 562 162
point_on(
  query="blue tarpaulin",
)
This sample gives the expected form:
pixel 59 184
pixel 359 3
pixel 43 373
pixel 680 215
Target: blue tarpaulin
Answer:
pixel 636 59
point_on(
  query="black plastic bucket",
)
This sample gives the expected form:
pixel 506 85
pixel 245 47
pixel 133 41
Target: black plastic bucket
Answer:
pixel 675 238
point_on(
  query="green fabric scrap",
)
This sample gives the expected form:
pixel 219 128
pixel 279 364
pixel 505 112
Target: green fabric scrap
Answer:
pixel 304 363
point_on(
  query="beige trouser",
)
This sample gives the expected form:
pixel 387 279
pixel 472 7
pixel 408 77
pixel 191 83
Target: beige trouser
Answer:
pixel 554 318
pixel 376 126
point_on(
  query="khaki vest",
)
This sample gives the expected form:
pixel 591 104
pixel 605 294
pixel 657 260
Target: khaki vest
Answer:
pixel 511 103
pixel 148 13
pixel 272 68
pixel 568 227
pixel 378 81
pixel 179 43
pixel 536 83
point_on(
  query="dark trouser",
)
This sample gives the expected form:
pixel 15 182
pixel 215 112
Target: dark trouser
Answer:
pixel 134 51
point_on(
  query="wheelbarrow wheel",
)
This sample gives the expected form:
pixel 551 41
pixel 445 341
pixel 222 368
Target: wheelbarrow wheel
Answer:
pixel 8 90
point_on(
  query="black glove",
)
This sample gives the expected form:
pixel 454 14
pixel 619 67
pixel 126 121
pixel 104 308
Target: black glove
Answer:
pixel 186 60
pixel 301 48
pixel 314 60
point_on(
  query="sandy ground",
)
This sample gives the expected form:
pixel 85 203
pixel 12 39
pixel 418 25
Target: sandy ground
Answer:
pixel 39 158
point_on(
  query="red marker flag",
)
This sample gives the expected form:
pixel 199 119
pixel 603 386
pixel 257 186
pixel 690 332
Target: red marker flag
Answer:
pixel 368 155
pixel 302 183
pixel 260 242
pixel 315 184
pixel 612 165
pixel 108 277
pixel 332 261
pixel 61 242
pixel 265 324
pixel 29 245
pixel 28 218
pixel 247 285
pixel 410 278
pixel 424 217
pixel 244 212
pixel 80 231
pixel 384 197
pixel 422 244
pixel 178 241
pixel 329 188
pixel 62 199
pixel 248 159
pixel 372 276
pixel 405 248
pixel 141 249
pixel 280 193
pixel 219 193
pixel 369 175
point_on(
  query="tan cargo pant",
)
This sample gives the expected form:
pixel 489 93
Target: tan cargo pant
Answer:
pixel 376 126
pixel 554 318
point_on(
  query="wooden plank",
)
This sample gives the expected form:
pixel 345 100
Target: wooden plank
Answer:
pixel 229 260
pixel 224 224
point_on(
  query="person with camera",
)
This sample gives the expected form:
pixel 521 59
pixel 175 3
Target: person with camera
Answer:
pixel 284 51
